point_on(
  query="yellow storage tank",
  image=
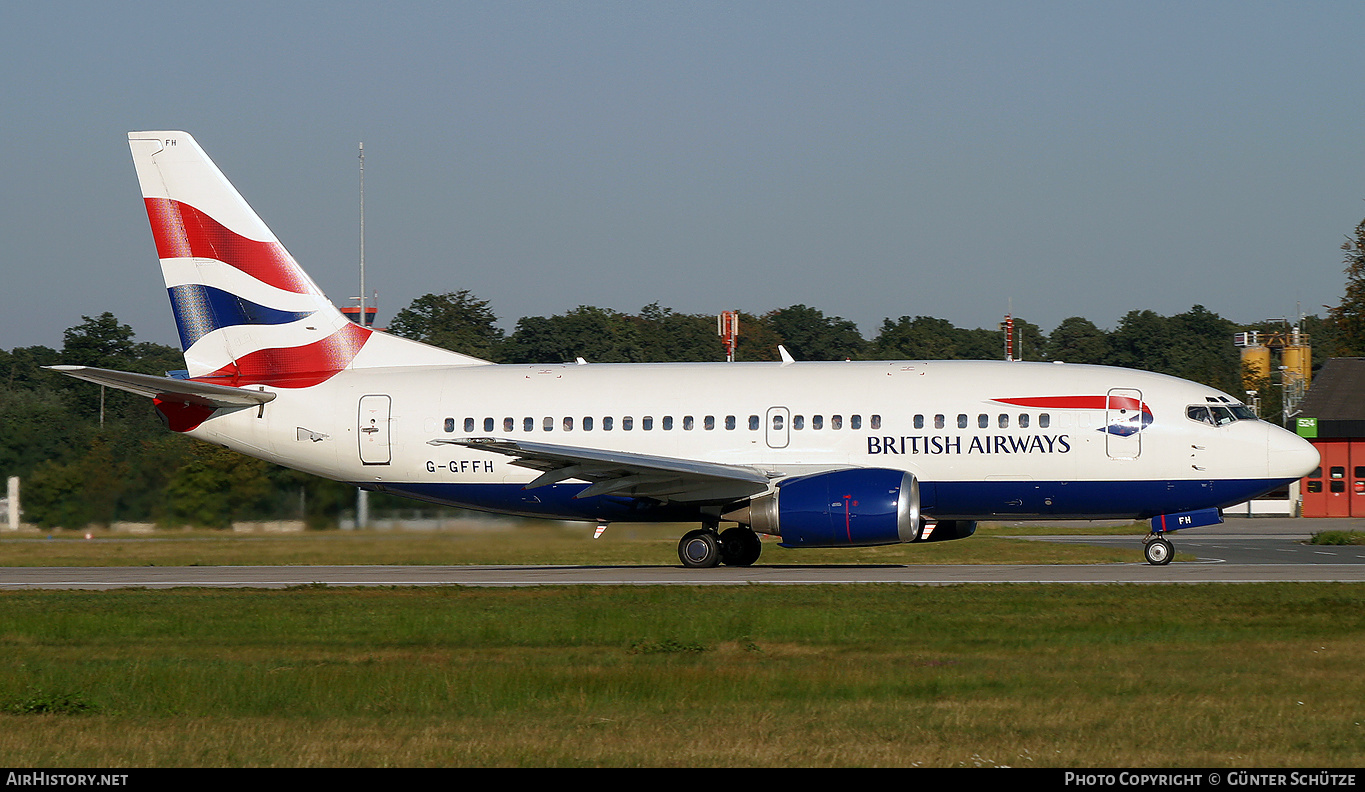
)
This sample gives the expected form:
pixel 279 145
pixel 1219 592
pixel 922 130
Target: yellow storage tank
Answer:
pixel 1298 363
pixel 1255 366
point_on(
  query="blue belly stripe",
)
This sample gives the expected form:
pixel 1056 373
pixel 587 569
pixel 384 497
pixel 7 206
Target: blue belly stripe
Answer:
pixel 963 500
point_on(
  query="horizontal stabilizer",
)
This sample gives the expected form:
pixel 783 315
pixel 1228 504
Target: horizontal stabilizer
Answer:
pixel 166 389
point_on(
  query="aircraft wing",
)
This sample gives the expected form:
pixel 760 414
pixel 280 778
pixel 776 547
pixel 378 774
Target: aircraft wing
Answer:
pixel 620 473
pixel 168 389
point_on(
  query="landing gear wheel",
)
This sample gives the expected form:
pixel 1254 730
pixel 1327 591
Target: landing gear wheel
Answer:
pixel 1158 551
pixel 699 549
pixel 739 547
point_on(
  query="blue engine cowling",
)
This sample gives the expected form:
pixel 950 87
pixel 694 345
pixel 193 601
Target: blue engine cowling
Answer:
pixel 841 508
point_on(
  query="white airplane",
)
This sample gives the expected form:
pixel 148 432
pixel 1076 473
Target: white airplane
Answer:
pixel 822 454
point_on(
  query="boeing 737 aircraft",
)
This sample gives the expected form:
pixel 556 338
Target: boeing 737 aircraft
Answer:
pixel 822 454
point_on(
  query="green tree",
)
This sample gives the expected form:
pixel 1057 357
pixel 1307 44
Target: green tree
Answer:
pixel 810 335
pixel 918 338
pixel 931 338
pixel 666 336
pixel 457 321
pixel 1195 345
pixel 758 341
pixel 1078 340
pixel 599 335
pixel 80 492
pixel 1349 316
pixel 104 342
pixel 216 487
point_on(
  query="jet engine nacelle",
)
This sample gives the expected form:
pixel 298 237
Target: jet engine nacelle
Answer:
pixel 858 506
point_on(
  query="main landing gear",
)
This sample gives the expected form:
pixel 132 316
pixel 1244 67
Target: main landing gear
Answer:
pixel 1157 549
pixel 706 547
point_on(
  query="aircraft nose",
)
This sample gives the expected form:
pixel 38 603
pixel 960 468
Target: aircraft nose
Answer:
pixel 1290 456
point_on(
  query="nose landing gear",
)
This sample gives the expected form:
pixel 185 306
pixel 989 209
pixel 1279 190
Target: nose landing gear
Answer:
pixel 1157 549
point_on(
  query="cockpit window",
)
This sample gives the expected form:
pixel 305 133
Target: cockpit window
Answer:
pixel 1219 415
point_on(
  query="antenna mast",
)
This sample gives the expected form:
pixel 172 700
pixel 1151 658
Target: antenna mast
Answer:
pixel 362 233
pixel 362 497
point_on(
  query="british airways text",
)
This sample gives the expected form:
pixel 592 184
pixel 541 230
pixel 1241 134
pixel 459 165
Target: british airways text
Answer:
pixel 956 444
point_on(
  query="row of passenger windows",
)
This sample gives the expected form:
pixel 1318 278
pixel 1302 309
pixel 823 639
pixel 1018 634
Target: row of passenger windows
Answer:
pixel 709 422
pixel 667 423
pixel 983 421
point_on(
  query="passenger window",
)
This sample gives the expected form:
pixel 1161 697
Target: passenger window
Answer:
pixel 668 423
pixel 488 424
pixel 687 423
pixel 919 421
pixel 983 420
pixel 606 423
pixel 469 424
pixel 730 422
pixel 568 424
pixel 817 422
pixel 961 421
pixel 1003 421
pixel 777 422
pixel 1044 420
pixel 798 422
pixel 876 422
pixel 587 423
pixel 709 422
pixel 836 422
pixel 855 422
pixel 938 422
pixel 508 424
pixel 528 424
pixel 627 423
pixel 548 424
pixel 450 424
pixel 753 423
pixel 647 423
pixel 1023 420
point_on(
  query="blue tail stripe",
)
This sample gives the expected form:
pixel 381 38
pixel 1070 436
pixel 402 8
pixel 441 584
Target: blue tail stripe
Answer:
pixel 199 310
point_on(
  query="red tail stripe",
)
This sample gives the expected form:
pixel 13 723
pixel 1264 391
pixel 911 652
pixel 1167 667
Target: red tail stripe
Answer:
pixel 181 231
pixel 295 367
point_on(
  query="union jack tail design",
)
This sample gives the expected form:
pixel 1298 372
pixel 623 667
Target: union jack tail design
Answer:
pixel 247 313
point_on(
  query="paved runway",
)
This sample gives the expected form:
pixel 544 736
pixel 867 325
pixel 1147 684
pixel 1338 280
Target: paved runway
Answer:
pixel 1238 551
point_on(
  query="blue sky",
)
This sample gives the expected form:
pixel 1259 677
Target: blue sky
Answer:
pixel 874 160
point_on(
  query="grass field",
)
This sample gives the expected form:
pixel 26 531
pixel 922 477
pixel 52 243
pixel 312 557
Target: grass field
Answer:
pixel 509 542
pixel 1040 676
pixel 1023 675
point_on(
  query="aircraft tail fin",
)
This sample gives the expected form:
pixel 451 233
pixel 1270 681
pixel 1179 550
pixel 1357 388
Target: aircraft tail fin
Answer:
pixel 247 313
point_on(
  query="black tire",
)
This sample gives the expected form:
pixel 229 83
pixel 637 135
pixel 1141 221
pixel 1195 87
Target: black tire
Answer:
pixel 1158 552
pixel 739 547
pixel 699 549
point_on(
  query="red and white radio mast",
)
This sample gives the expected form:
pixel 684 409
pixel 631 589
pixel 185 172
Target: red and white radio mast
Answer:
pixel 727 327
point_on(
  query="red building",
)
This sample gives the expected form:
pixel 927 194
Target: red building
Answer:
pixel 1332 418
